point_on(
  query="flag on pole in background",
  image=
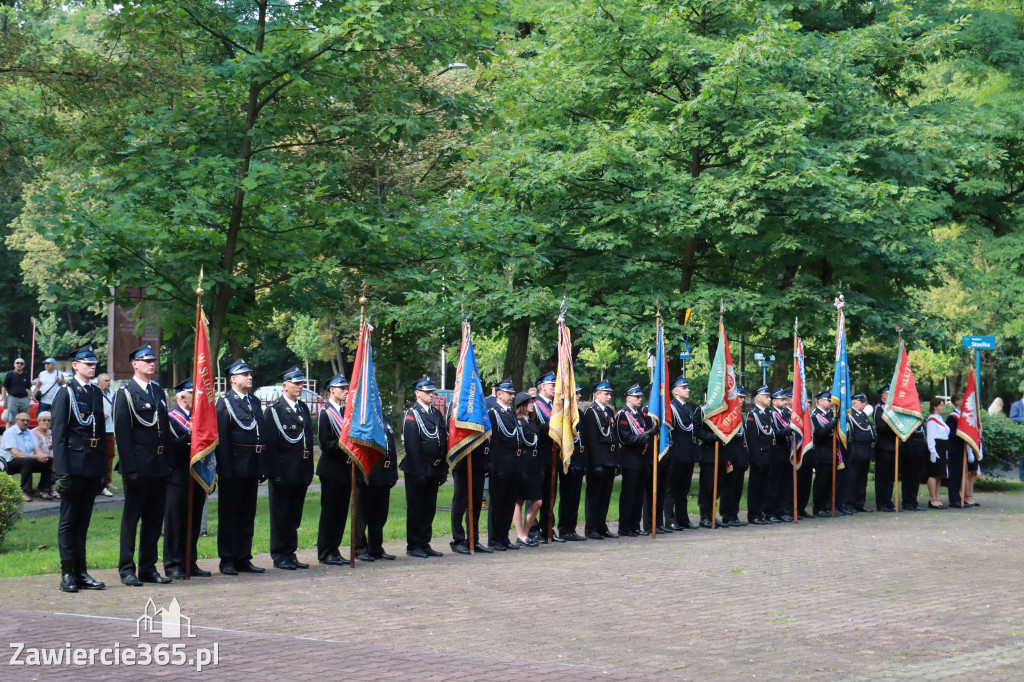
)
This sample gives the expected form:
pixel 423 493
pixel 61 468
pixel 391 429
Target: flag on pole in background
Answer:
pixel 800 421
pixel 470 424
pixel 841 382
pixel 660 403
pixel 565 414
pixel 204 407
pixel 969 425
pixel 903 409
pixel 722 412
pixel 363 434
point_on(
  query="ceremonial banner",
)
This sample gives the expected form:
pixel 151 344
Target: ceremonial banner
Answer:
pixel 903 409
pixel 969 423
pixel 470 424
pixel 722 413
pixel 841 382
pixel 363 435
pixel 660 403
pixel 800 420
pixel 565 414
pixel 204 408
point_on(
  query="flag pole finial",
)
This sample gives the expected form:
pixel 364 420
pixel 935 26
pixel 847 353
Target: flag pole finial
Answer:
pixel 796 326
pixel 721 307
pixel 657 310
pixel 199 287
pixel 840 301
pixel 363 300
pixel 463 310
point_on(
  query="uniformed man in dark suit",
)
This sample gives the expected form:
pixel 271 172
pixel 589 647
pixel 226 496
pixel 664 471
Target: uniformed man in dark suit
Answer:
pixel 737 460
pixel 633 434
pixel 144 460
pixel 862 451
pixel 373 501
pixel 290 467
pixel 179 417
pixel 913 458
pixel 780 472
pixel 572 485
pixel 241 462
pixel 683 452
pixel 335 472
pixel 804 475
pixel 885 456
pixel 548 454
pixel 600 441
pixel 762 435
pixel 505 452
pixel 426 445
pixel 664 475
pixel 705 494
pixel 823 426
pixel 460 497
pixel 79 465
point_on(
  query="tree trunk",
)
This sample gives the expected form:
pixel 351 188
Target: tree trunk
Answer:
pixel 783 364
pixel 515 352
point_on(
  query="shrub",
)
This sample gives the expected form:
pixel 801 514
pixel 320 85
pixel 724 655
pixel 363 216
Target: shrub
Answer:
pixel 11 505
pixel 1002 440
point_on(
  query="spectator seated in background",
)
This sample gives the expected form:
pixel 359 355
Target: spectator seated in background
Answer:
pixel 22 455
pixel 44 439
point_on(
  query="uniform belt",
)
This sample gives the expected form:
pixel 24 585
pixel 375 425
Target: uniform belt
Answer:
pixel 303 454
pixel 150 449
pixel 86 442
pixel 258 448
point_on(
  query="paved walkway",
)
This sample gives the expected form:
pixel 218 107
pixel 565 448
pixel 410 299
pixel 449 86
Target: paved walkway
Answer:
pixel 921 596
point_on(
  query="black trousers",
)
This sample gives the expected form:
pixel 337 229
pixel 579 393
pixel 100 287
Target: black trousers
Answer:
pixel 26 466
pixel 823 487
pixel 680 480
pixel 504 490
pixel 421 505
pixel 911 468
pixel 664 476
pixel 857 495
pixel 75 515
pixel 145 502
pixel 955 455
pixel 733 484
pixel 540 524
pixel 600 484
pixel 286 502
pixel 631 500
pixel 373 502
pixel 779 489
pixel 236 515
pixel 707 482
pixel 885 475
pixel 804 481
pixel 334 501
pixel 569 500
pixel 175 521
pixel 460 505
pixel 759 498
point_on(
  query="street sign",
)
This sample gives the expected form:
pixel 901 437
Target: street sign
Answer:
pixel 979 342
pixel 684 356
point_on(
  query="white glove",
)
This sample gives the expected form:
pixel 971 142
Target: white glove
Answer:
pixel 970 456
pixel 981 453
pixel 934 457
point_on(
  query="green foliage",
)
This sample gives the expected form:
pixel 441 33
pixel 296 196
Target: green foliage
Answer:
pixel 11 505
pixel 1002 441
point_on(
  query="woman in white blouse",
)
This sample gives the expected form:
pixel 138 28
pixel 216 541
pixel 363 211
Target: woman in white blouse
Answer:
pixel 937 435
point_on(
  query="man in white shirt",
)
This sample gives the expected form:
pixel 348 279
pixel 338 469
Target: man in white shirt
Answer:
pixel 20 453
pixel 47 384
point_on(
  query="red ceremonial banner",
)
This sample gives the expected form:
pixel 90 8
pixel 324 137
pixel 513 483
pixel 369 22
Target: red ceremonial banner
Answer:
pixel 969 425
pixel 204 407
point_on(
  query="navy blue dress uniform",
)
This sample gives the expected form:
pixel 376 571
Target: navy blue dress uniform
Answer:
pixel 531 461
pixel 571 482
pixel 956 451
pixel 762 435
pixel 290 470
pixel 885 458
pixel 241 462
pixel 631 431
pixel 705 493
pixel 505 451
pixel 478 458
pixel 913 460
pixel 862 451
pixel 737 460
pixel 373 502
pixel 142 435
pixel 684 453
pixel 600 441
pixel 176 512
pixel 335 472
pixel 426 444
pixel 547 454
pixel 780 475
pixel 79 466
pixel 823 426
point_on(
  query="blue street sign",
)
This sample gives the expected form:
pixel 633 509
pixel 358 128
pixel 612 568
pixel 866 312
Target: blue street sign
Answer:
pixel 979 342
pixel 684 356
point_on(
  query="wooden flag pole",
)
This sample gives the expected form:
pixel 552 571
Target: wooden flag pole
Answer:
pixel 654 492
pixel 794 482
pixel 896 476
pixel 714 489
pixel 471 540
pixel 834 438
pixel 792 458
pixel 551 492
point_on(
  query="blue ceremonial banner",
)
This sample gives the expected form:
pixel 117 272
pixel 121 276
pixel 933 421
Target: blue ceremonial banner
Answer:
pixel 469 424
pixel 363 435
pixel 841 382
pixel 661 396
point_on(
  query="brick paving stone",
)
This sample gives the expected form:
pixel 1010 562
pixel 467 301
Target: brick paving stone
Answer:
pixel 883 596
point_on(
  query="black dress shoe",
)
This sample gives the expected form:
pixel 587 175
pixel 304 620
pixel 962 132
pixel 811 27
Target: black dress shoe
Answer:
pixel 594 535
pixel 935 506
pixel 786 518
pixel 864 510
pixel 177 574
pixel 705 523
pixel 87 582
pixel 609 534
pixel 823 514
pixel 643 533
pixel 528 542
pixel 675 526
pixel 918 507
pixel 285 564
pixel 662 529
pixel 482 548
pixel 688 525
pixel 761 521
pixel 886 509
pixel 460 549
pixel 366 557
pixel 844 512
pixel 418 553
pixel 628 533
pixel 557 538
pixel 803 514
pixel 197 572
pixel 954 506
pixel 155 578
pixel 509 545
pixel 773 519
pixel 67 583
pixel 497 548
pixel 432 552
pixel 299 564
pixel 247 567
pixel 130 580
pixel 736 523
pixel 573 537
pixel 540 540
pixel 385 556
pixel 335 560
pixel 229 570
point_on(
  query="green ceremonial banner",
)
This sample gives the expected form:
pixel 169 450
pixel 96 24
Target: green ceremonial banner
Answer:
pixel 902 411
